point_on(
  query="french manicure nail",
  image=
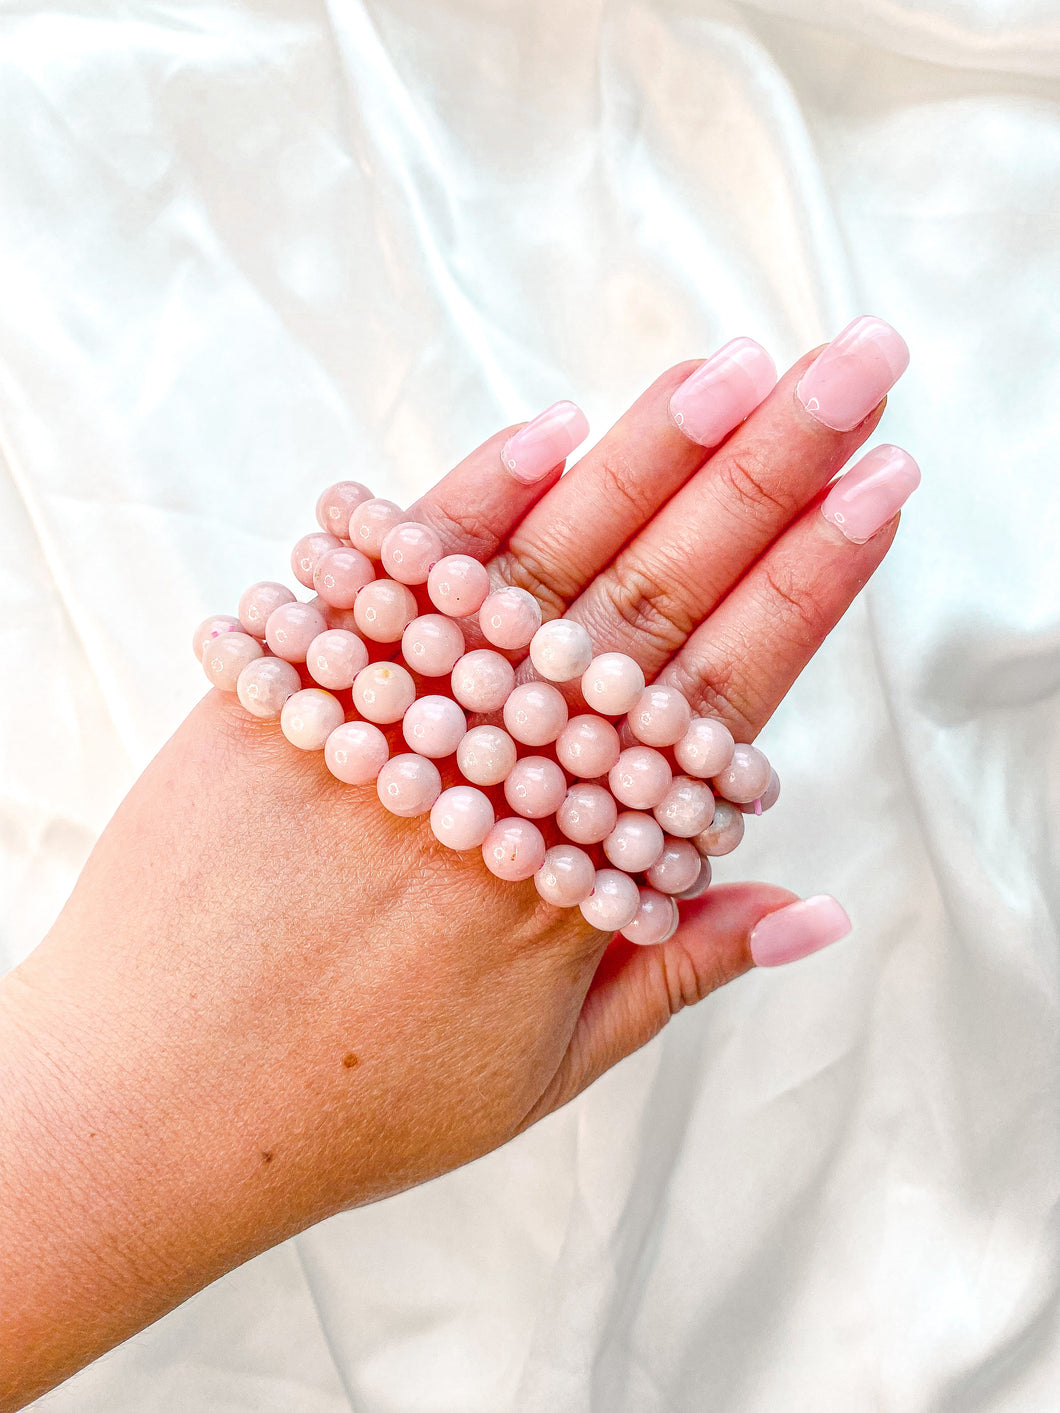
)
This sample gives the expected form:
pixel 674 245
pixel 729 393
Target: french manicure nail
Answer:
pixel 797 930
pixel 871 493
pixel 543 443
pixel 723 391
pixel 853 374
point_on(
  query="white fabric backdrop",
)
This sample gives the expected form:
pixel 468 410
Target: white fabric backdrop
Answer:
pixel 247 249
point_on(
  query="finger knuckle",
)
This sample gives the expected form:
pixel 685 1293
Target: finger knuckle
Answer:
pixel 648 608
pixel 715 691
pixel 469 528
pixel 681 981
pixel 749 479
pixel 621 482
pixel 525 569
pixel 793 606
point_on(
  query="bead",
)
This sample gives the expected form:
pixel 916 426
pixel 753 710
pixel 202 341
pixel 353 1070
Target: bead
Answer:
pixel 676 868
pixel 660 716
pixel 307 552
pixel 384 610
pixel 514 849
pixel 309 717
pixel 408 785
pixel 640 778
pixel 535 787
pixel 434 726
pixel 291 629
pixel 257 602
pixel 383 692
pixel 566 877
pixel 461 818
pixel 356 752
pixel 561 650
pixel 767 799
pixel 535 713
pixel 225 657
pixel 432 644
pixel 265 684
pixel 211 628
pixel 457 585
pixel 334 658
pixel 612 683
pixel 410 551
pixel 705 749
pixel 337 503
pixel 687 807
pixel 587 746
pixel 335 617
pixel 509 618
pixel 482 679
pixel 371 522
pixel 614 901
pixel 587 814
pixel 486 755
pixel 655 921
pixel 341 574
pixel 635 842
pixel 701 884
pixel 746 776
pixel 725 832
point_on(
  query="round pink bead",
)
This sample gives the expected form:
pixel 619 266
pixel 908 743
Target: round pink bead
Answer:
pixel 410 550
pixel 701 884
pixel 482 679
pixel 655 921
pixel 724 833
pixel 687 807
pixel 458 585
pixel 309 717
pixel 408 785
pixel 676 868
pixel 335 657
pixel 434 726
pixel 509 618
pixel 566 877
pixel 612 683
pixel 341 574
pixel 335 617
pixel 265 684
pixel 356 752
pixel 307 553
pixel 705 749
pixel 535 787
pixel 535 713
pixel 226 656
pixel 258 602
pixel 561 650
pixel 746 776
pixel 383 692
pixel 767 799
pixel 461 818
pixel 635 842
pixel 660 716
pixel 640 778
pixel 587 814
pixel 432 644
pixel 384 610
pixel 588 746
pixel 371 522
pixel 336 505
pixel 614 901
pixel 514 849
pixel 486 755
pixel 211 628
pixel 291 629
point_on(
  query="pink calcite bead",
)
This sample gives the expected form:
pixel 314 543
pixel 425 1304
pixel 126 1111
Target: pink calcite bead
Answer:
pixel 725 831
pixel 588 746
pixel 258 602
pixel 612 683
pixel 635 842
pixel 486 755
pixel 408 785
pixel 309 717
pixel 341 574
pixel 535 713
pixel 384 610
pixel 336 505
pixel 356 752
pixel 767 799
pixel 687 807
pixel 434 726
pixel 640 778
pixel 705 749
pixel 291 629
pixel 587 814
pixel 265 684
pixel 535 787
pixel 458 585
pixel 335 617
pixel 371 522
pixel 655 921
pixel 509 618
pixel 614 901
pixel 410 551
pixel 514 849
pixel 383 692
pixel 482 680
pixel 307 552
pixel 660 716
pixel 701 884
pixel 334 658
pixel 225 657
pixel 432 644
pixel 211 628
pixel 461 818
pixel 745 778
pixel 561 650
pixel 566 877
pixel 677 867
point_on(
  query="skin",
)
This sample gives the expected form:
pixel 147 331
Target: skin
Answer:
pixel 268 1001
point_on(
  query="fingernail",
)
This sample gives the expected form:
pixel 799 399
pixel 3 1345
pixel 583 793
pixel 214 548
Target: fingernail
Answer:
pixel 853 374
pixel 798 930
pixel 723 391
pixel 871 493
pixel 543 443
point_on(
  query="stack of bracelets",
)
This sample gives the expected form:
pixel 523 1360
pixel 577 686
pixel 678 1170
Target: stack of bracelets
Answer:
pixel 636 792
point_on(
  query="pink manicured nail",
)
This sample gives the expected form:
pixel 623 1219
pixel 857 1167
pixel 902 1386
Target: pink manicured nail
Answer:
pixel 723 391
pixel 798 930
pixel 543 443
pixel 871 493
pixel 852 375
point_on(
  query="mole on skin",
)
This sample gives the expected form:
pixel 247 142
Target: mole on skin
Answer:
pixel 349 1061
